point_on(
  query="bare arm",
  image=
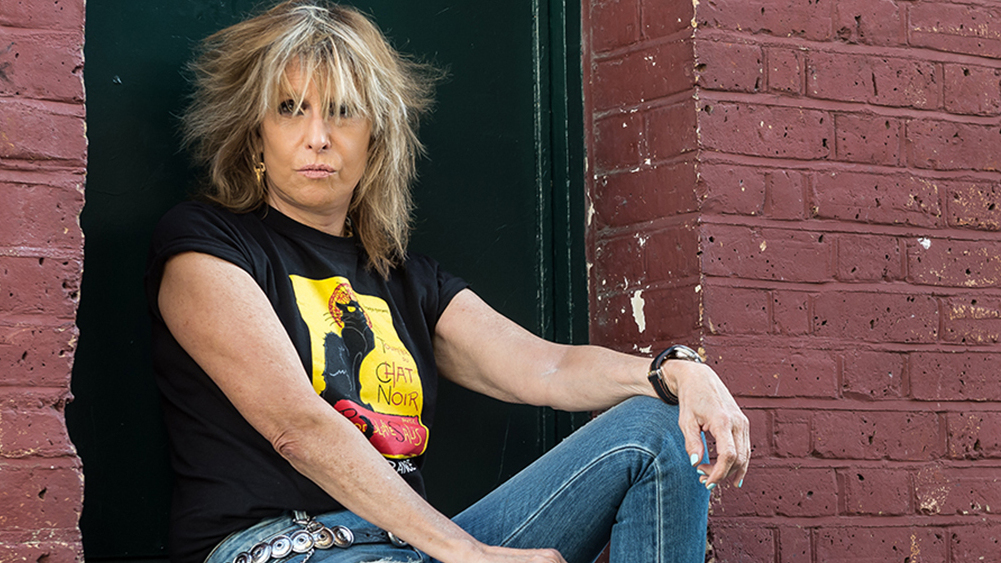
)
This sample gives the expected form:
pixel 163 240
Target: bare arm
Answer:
pixel 201 298
pixel 482 350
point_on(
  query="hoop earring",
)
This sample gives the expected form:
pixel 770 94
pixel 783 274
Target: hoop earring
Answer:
pixel 259 170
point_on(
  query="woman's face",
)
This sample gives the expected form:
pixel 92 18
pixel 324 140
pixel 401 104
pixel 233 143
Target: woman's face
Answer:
pixel 314 158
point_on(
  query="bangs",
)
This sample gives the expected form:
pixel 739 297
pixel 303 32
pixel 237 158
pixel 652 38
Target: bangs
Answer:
pixel 329 59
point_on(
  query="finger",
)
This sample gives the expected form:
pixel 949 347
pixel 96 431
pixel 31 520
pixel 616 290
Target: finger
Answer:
pixel 693 439
pixel 726 456
pixel 744 454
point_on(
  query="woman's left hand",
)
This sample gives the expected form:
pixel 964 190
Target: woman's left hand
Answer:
pixel 707 406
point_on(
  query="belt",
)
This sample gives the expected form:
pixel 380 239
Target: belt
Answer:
pixel 314 535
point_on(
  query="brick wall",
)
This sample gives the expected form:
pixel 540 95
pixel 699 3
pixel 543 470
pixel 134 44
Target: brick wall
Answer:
pixel 42 166
pixel 810 191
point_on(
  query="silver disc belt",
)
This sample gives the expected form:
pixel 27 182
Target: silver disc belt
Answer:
pixel 313 535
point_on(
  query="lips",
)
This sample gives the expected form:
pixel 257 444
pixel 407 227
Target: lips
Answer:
pixel 316 171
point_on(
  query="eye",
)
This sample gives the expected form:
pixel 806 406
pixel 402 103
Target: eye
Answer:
pixel 288 107
pixel 343 111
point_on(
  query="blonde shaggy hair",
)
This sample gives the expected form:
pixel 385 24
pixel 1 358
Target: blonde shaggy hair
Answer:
pixel 240 77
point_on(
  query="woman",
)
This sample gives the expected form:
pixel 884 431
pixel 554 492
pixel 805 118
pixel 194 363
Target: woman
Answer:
pixel 297 346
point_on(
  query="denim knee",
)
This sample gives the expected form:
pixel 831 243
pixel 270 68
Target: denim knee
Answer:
pixel 650 424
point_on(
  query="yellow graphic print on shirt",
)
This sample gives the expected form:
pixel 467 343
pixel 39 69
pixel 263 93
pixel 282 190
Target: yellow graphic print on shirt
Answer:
pixel 360 365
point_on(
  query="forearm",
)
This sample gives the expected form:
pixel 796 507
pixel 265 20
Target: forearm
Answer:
pixel 593 378
pixel 359 478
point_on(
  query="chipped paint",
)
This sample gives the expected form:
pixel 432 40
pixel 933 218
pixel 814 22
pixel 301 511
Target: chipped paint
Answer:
pixel 763 246
pixel 925 243
pixel 638 314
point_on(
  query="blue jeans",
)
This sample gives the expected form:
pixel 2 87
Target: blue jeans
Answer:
pixel 624 477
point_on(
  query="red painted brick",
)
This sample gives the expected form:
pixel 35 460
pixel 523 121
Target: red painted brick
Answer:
pixel 732 67
pixel 672 130
pixel 785 73
pixel 909 436
pixel 779 132
pixel 974 435
pixel 626 198
pixel 40 496
pixel 972 320
pixel 974 205
pixel 46 286
pixel 974 30
pixel 655 72
pixel 785 70
pixel 37 356
pixel 876 317
pixel 792 433
pixel 617 140
pixel 975 544
pixel 883 81
pixel 794 545
pixel 761 430
pixel 871 22
pixel 42 14
pixel 790 18
pixel 869 258
pixel 41 215
pixel 39 131
pixel 955 376
pixel 619 263
pixel 42 65
pixel 732 190
pixel 671 254
pixel 638 259
pixel 766 254
pixel 764 372
pixel 953 263
pixel 664 18
pixel 972 90
pixel 43 552
pixel 873 198
pixel 735 544
pixel 731 310
pixel 877 544
pixel 786 195
pixel 791 313
pixel 668 314
pixel 784 491
pixel 32 424
pixel 945 145
pixel 614 23
pixel 876 491
pixel 941 490
pixel 872 375
pixel 868 139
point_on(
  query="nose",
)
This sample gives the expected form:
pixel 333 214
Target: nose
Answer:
pixel 318 135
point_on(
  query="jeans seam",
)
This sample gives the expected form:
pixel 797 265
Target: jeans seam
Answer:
pixel 569 481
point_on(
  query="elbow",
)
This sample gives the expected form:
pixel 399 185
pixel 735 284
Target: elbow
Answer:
pixel 288 444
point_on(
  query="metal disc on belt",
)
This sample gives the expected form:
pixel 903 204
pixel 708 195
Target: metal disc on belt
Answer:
pixel 281 546
pixel 323 538
pixel 242 558
pixel 260 553
pixel 302 541
pixel 343 537
pixel 395 540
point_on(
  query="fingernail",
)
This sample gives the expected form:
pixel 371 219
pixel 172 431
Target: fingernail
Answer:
pixel 741 484
pixel 711 486
pixel 700 472
pixel 695 459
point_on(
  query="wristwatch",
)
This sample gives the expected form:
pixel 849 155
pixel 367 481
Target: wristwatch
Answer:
pixel 656 376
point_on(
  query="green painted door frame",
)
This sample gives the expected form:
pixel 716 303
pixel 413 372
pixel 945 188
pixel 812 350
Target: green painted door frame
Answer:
pixel 500 203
